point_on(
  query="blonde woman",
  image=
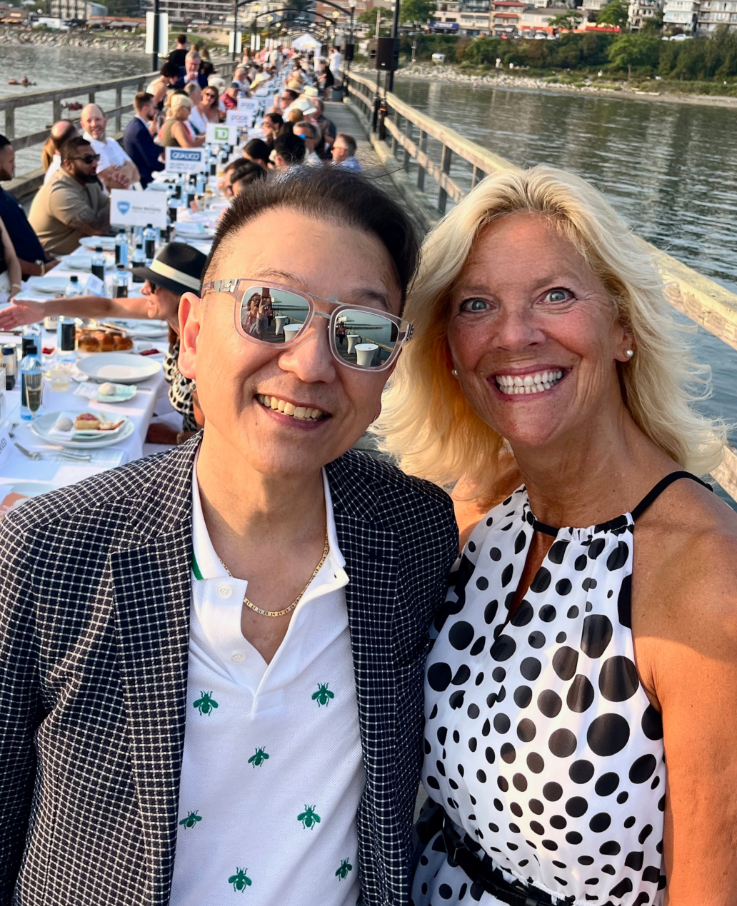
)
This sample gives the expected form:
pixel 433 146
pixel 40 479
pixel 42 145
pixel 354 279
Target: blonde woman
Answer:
pixel 557 687
pixel 177 133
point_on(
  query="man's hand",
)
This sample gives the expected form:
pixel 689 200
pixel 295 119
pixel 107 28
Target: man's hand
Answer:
pixel 21 313
pixel 114 178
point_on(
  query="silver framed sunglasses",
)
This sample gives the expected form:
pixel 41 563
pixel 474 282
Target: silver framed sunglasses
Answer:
pixel 271 314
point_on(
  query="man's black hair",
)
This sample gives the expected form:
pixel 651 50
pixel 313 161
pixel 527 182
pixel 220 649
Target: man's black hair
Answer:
pixel 248 173
pixel 169 70
pixel 4 142
pixel 334 194
pixel 72 146
pixel 291 148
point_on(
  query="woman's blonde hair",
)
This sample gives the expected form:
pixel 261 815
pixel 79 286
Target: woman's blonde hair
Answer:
pixel 428 425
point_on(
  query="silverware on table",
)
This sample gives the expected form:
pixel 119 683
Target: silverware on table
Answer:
pixel 64 454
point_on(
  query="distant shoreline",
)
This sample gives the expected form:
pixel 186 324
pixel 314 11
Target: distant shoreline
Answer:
pixel 14 36
pixel 451 74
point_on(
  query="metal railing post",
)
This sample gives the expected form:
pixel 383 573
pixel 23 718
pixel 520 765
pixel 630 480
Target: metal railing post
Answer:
pixel 408 133
pixel 422 146
pixel 118 103
pixel 381 129
pixel 56 111
pixel 10 123
pixel 394 138
pixel 444 168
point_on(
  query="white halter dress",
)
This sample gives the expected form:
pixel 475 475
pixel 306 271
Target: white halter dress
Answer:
pixel 540 743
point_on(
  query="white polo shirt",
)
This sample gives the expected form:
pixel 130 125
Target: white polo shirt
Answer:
pixel 111 153
pixel 272 772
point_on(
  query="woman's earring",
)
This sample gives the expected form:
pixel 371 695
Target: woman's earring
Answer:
pixel 629 353
pixel 454 372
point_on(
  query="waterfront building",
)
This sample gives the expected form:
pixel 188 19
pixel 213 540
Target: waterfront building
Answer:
pixel 591 8
pixel 505 16
pixel 681 14
pixel 535 21
pixel 713 13
pixel 642 10
pixel 76 9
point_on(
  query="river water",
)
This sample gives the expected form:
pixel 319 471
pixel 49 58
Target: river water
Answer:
pixel 669 169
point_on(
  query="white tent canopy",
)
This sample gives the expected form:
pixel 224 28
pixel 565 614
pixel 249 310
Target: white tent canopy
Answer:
pixel 306 42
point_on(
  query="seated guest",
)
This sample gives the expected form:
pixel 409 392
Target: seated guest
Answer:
pixel 191 72
pixel 196 120
pixel 177 133
pixel 244 176
pixel 72 204
pixel 50 156
pixel 344 153
pixel 289 150
pixel 168 77
pixel 309 133
pixel 285 100
pixel 116 170
pixel 209 106
pixel 326 127
pixel 257 151
pixel 10 272
pixel 34 262
pixel 271 127
pixel 138 141
pixel 231 95
pixel 325 79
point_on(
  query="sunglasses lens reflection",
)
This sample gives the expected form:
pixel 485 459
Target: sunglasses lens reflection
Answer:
pixel 365 339
pixel 272 316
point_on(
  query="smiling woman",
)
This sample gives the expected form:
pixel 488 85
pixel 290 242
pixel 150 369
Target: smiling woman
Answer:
pixel 569 661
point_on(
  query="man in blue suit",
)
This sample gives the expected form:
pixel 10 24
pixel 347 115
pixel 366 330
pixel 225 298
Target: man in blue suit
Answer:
pixel 137 140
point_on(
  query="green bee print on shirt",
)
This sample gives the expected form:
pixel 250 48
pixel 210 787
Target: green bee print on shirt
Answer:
pixel 205 704
pixel 191 820
pixel 323 694
pixel 342 873
pixel 259 758
pixel 309 817
pixel 240 879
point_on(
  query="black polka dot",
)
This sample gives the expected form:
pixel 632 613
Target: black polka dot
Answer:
pixel 498 674
pixel 522 696
pixel 520 782
pixel 623 797
pixel 550 845
pixel 536 639
pixel 565 661
pixel 557 551
pixel 445 891
pixel 652 723
pixel 629 822
pixel 581 563
pixel 433 783
pixel 549 703
pixel 562 743
pixel 619 890
pixel 442 734
pixel 580 694
pixel 635 860
pixel 481 776
pixel 547 613
pixel 516 809
pixel 599 823
pixel 552 791
pixel 529 668
pixel 523 614
pixel 486 729
pixel 563 586
pixel 473 744
pixel 572 612
pixel 462 675
pixel 501 723
pixel 507 574
pixel 439 676
pixel 456 699
pixel 596 547
pixel 586 860
pixel 576 806
pixel 596 635
pixel 618 557
pixel 541 581
pixel 490 611
pixel 581 771
pixel 643 768
pixel 624 602
pixel 490 755
pixel 561 637
pixel 588 584
pixel 536 807
pixel 558 822
pixel 473 711
pixel 608 734
pixel 537 828
pixel 519 542
pixel 526 730
pixel 610 848
pixel 460 635
pixel 618 679
pixel 535 763
pixel 482 583
pixel 477 647
pixel 503 648
pixel 607 784
pixel 574 838
pixel 495 554
pixel 508 753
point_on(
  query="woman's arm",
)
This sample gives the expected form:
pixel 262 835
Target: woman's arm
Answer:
pixel 11 259
pixel 27 312
pixel 181 135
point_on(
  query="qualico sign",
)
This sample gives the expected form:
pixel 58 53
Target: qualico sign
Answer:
pixel 184 160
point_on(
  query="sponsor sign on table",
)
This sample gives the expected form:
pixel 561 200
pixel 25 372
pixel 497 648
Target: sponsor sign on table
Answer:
pixel 250 104
pixel 219 134
pixel 186 160
pixel 239 118
pixel 131 208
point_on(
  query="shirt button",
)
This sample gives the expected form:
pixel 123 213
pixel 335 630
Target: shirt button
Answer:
pixel 225 591
pixel 238 656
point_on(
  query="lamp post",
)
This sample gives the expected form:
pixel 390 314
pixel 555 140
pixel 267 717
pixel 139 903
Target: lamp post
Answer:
pixel 235 25
pixel 352 5
pixel 395 35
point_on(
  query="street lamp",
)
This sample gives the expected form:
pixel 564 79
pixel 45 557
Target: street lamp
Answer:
pixel 352 5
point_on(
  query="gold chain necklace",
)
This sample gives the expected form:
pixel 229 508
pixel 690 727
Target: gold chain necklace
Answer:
pixel 281 613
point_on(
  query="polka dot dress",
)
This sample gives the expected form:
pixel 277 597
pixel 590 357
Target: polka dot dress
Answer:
pixel 540 743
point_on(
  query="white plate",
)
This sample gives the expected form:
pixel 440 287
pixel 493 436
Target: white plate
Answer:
pixel 142 330
pixel 49 284
pixel 105 242
pixel 193 230
pixel 42 426
pixel 118 367
pixel 79 261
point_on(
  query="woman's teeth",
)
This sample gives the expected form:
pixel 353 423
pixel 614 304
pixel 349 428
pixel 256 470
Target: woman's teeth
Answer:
pixel 529 383
pixel 304 412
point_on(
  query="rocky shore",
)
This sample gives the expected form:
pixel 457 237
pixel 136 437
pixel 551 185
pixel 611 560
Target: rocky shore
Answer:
pixel 11 34
pixel 516 80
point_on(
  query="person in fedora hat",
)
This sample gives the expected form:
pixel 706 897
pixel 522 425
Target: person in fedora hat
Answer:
pixel 176 270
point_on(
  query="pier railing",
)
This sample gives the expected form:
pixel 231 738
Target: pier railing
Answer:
pixel 431 164
pixel 25 185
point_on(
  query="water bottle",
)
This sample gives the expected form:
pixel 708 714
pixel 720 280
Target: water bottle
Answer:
pixel 72 287
pixel 10 364
pixel 213 165
pixel 150 235
pixel 200 184
pixel 139 258
pixel 66 334
pixel 98 264
pixel 121 248
pixel 191 195
pixel 31 384
pixel 30 336
pixel 120 283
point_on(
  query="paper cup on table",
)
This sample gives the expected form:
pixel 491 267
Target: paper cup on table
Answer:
pixel 279 322
pixel 352 340
pixel 291 331
pixel 365 353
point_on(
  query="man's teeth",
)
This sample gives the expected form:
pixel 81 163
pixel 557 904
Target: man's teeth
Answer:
pixel 304 412
pixel 529 383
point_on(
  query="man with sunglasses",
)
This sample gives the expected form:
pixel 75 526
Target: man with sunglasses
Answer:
pixel 214 659
pixel 72 204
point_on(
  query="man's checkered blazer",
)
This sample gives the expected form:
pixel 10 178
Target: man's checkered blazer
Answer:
pixel 94 631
